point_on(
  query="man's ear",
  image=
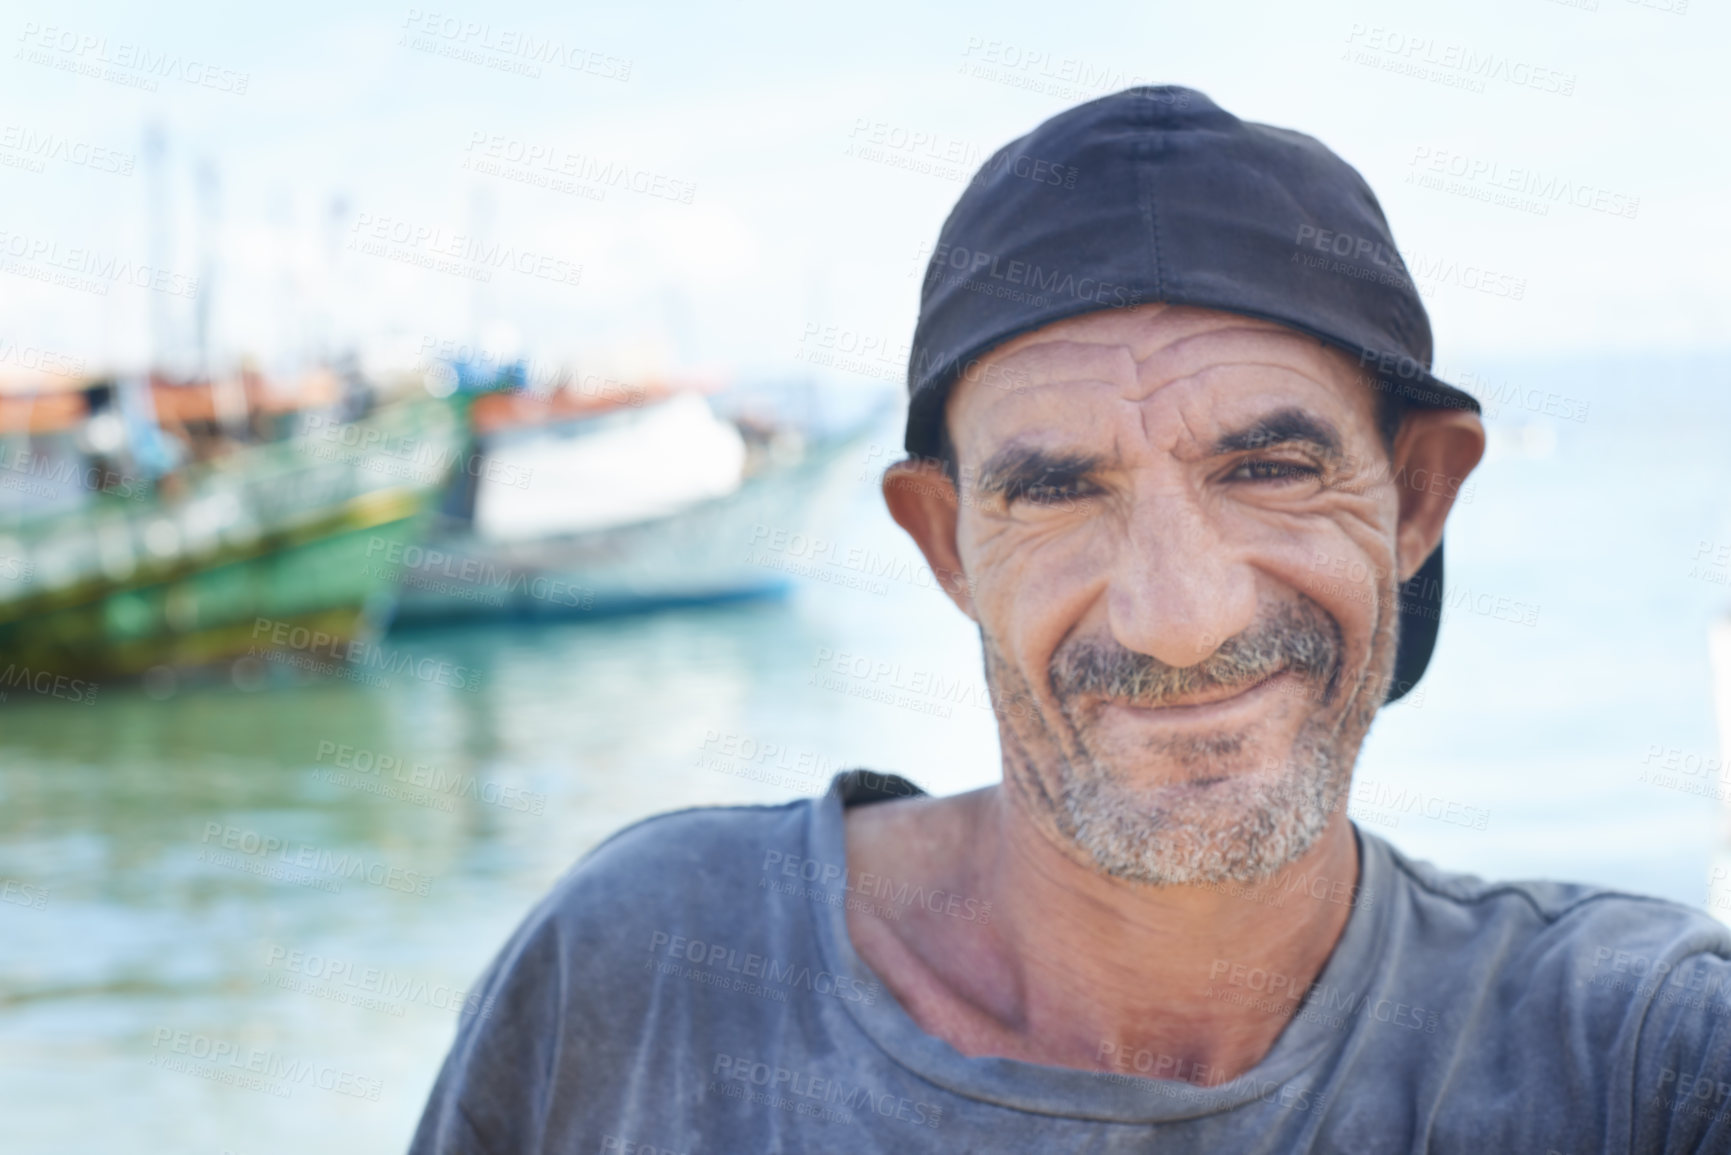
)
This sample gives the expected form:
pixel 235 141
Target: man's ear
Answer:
pixel 1434 452
pixel 923 501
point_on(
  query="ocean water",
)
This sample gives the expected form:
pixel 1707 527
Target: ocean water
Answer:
pixel 243 922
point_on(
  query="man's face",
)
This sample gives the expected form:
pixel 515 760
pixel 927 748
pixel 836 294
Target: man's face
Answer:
pixel 1153 523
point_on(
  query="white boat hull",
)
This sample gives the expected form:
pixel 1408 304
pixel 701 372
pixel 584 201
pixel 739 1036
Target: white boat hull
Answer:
pixel 701 553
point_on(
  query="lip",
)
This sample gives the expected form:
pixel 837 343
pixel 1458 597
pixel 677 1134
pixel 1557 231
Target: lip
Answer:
pixel 1249 698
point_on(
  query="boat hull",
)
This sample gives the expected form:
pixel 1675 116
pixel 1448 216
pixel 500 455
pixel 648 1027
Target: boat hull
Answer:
pixel 227 606
pixel 702 554
pixel 278 537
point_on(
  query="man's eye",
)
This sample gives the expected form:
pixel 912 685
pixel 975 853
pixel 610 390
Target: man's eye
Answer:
pixel 1047 492
pixel 1274 471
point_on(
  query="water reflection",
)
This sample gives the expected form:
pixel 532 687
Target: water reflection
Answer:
pixel 304 880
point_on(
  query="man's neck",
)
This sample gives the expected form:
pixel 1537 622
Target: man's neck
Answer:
pixel 1073 968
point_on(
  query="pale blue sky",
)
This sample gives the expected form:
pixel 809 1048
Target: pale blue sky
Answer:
pixel 756 106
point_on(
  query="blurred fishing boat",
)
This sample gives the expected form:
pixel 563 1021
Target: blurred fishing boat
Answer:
pixel 612 505
pixel 124 549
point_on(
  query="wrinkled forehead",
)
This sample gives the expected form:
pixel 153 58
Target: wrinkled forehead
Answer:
pixel 1193 365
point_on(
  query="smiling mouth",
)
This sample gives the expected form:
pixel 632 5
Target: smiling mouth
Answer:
pixel 1216 697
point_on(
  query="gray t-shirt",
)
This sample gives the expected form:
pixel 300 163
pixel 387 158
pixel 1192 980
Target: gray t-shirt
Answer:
pixel 690 986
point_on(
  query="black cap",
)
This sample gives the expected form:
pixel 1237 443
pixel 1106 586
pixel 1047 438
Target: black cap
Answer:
pixel 1156 194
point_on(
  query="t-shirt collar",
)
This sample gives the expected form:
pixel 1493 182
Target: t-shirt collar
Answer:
pixel 1291 1070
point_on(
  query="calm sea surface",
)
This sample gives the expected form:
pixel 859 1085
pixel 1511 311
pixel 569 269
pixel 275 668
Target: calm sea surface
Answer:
pixel 310 877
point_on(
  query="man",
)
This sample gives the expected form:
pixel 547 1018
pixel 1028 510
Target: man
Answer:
pixel 1176 442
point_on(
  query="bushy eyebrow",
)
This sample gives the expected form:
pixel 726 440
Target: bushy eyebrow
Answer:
pixel 1013 469
pixel 1290 426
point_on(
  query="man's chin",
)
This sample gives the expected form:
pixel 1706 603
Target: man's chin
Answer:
pixel 1165 770
pixel 1209 827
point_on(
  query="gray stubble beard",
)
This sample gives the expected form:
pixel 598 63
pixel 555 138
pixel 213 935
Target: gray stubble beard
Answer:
pixel 1244 827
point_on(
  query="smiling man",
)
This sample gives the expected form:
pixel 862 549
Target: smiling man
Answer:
pixel 1174 434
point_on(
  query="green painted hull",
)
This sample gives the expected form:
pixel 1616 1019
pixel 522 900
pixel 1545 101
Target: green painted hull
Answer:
pixel 130 587
pixel 213 613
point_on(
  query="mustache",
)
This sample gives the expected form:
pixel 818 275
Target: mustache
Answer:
pixel 1298 636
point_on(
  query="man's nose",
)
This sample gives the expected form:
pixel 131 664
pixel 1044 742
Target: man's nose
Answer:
pixel 1176 591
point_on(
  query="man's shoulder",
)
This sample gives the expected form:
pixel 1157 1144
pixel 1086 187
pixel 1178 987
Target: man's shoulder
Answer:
pixel 722 875
pixel 693 835
pixel 1589 931
pixel 698 863
pixel 1621 1000
pixel 561 1012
